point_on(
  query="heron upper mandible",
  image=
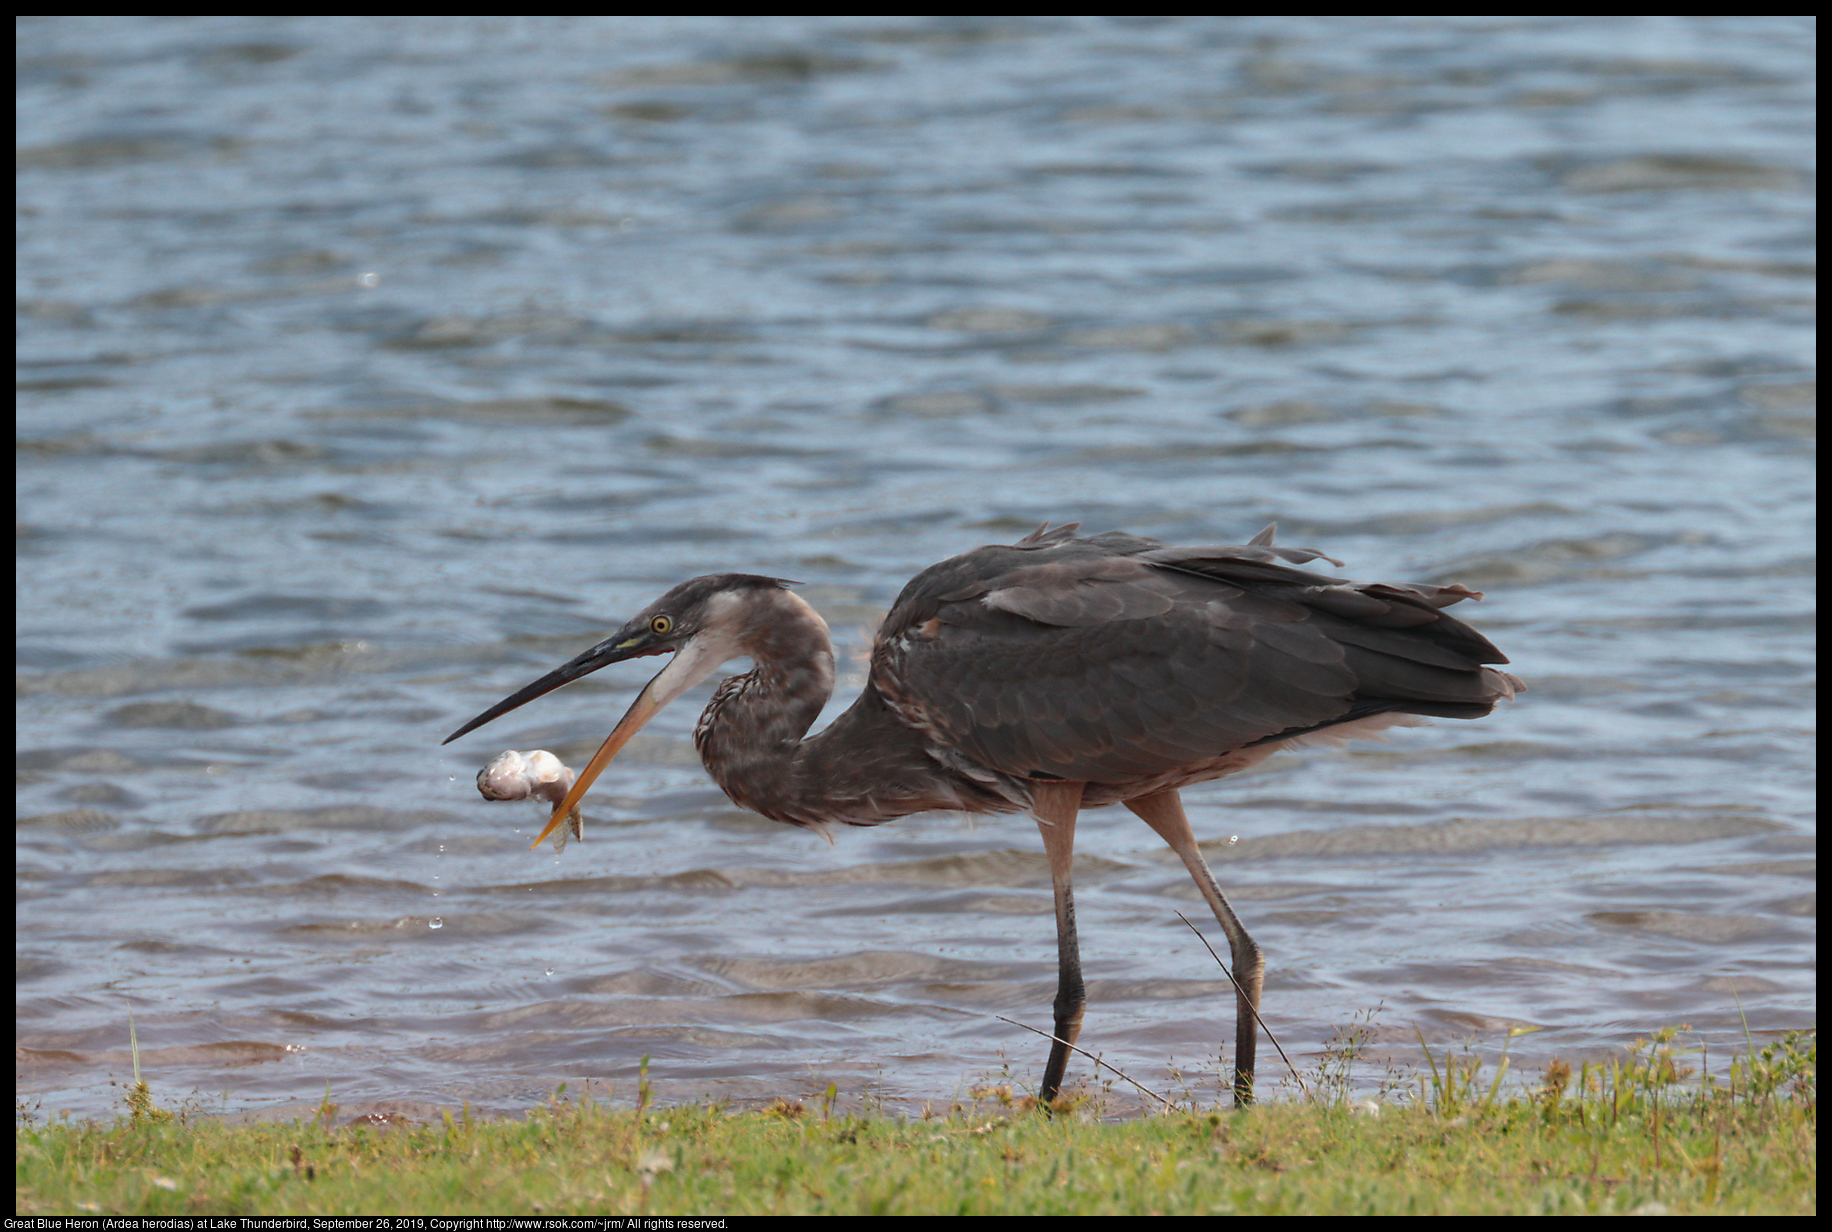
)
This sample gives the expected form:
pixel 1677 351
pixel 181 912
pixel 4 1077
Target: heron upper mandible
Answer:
pixel 1054 675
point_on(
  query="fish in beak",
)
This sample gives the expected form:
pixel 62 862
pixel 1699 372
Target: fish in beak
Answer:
pixel 654 632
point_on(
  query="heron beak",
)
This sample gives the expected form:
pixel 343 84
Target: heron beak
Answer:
pixel 694 659
pixel 624 644
pixel 646 706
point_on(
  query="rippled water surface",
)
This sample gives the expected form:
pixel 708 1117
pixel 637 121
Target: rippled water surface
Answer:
pixel 369 368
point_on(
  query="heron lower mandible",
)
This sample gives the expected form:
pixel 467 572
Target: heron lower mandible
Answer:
pixel 1054 675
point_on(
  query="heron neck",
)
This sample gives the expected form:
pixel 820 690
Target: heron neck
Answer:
pixel 866 767
pixel 750 733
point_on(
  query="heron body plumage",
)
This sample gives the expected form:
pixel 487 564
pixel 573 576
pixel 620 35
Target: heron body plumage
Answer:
pixel 1054 674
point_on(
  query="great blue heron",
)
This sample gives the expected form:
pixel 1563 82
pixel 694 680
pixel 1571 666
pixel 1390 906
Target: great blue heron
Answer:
pixel 1053 675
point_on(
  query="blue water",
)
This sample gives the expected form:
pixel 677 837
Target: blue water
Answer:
pixel 368 368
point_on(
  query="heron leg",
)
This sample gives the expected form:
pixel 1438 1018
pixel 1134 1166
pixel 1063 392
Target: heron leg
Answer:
pixel 1055 805
pixel 1164 813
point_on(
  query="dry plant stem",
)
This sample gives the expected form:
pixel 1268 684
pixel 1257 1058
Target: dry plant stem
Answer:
pixel 1256 1018
pixel 1084 1052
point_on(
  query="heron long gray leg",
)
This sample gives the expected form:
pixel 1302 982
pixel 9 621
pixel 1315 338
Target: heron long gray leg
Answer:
pixel 1164 813
pixel 1055 805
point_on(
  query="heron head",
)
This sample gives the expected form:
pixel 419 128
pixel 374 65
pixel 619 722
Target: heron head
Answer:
pixel 702 623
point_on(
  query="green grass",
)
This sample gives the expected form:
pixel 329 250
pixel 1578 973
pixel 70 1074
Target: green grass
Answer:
pixel 1639 1134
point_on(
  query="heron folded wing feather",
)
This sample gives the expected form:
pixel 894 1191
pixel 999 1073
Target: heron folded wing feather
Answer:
pixel 1115 660
pixel 1375 605
pixel 1420 649
pixel 1295 681
pixel 1305 641
pixel 972 588
pixel 1245 608
pixel 1502 684
pixel 1349 602
pixel 1088 603
pixel 1141 673
pixel 1414 592
pixel 1044 537
pixel 1126 725
pixel 1401 677
pixel 1076 592
pixel 1244 564
pixel 1253 717
pixel 1439 630
pixel 1020 740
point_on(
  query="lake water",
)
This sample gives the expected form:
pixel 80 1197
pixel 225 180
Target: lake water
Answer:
pixel 369 368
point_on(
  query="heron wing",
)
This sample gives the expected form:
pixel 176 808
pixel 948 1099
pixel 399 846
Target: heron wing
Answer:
pixel 1115 658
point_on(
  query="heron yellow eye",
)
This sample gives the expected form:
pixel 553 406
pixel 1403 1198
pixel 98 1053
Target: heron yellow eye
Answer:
pixel 662 624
